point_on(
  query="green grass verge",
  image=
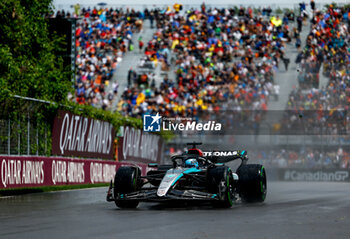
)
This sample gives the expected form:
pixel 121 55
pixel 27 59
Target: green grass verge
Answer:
pixel 20 191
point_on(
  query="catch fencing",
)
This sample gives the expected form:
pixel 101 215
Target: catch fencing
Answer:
pixel 24 129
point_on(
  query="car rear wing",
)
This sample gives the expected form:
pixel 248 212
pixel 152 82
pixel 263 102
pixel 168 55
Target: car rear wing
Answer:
pixel 226 156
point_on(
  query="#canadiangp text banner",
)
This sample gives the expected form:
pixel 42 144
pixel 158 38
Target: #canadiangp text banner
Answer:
pixel 17 172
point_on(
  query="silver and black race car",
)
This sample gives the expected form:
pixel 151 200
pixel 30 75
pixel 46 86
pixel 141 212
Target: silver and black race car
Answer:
pixel 193 177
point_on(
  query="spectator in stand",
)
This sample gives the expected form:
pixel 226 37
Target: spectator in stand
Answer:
pixel 140 43
pixel 312 5
pixel 302 7
pixel 300 23
pixel 131 77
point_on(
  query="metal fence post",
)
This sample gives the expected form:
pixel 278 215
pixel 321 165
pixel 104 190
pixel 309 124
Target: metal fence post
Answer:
pixel 37 139
pixel 9 136
pixel 19 136
pixel 28 134
pixel 45 137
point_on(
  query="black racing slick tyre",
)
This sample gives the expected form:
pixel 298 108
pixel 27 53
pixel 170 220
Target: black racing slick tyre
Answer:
pixel 220 182
pixel 126 180
pixel 252 184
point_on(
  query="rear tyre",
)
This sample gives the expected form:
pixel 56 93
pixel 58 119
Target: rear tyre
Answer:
pixel 126 180
pixel 220 182
pixel 252 184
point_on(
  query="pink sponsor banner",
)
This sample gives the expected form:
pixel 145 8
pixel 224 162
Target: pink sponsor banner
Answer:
pixel 18 172
pixel 138 146
pixel 77 136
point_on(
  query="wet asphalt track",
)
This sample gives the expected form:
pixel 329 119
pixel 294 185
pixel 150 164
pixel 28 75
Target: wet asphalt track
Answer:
pixel 292 210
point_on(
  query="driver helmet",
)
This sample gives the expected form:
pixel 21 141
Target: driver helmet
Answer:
pixel 189 163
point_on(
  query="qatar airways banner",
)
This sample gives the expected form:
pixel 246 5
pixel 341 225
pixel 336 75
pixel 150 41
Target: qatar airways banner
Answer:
pixel 75 135
pixel 19 172
pixel 138 146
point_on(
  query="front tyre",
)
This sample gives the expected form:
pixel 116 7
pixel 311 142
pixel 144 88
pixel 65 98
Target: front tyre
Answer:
pixel 252 184
pixel 220 182
pixel 126 181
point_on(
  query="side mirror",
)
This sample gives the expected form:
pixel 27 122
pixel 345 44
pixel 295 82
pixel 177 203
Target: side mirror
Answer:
pixel 244 156
pixel 153 165
pixel 243 153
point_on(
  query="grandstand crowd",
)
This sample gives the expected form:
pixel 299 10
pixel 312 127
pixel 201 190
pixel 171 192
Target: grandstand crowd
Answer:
pixel 103 37
pixel 222 58
pixel 308 158
pixel 327 46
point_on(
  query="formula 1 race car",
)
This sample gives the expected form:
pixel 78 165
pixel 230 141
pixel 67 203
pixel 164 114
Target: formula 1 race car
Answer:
pixel 194 177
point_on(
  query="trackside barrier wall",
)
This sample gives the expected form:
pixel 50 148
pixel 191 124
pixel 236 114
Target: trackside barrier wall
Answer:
pixel 139 146
pixel 313 175
pixel 18 172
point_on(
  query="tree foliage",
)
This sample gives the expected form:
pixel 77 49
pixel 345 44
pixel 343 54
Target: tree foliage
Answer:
pixel 28 63
pixel 30 67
